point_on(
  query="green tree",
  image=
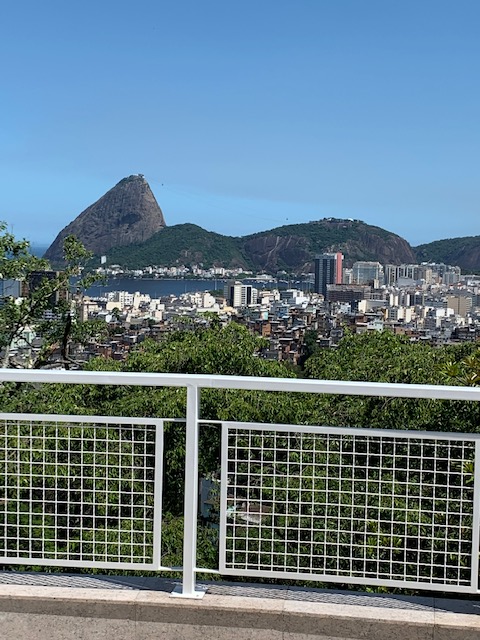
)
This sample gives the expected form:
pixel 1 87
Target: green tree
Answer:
pixel 377 357
pixel 464 372
pixel 385 357
pixel 310 344
pixel 232 350
pixel 43 290
pixel 220 350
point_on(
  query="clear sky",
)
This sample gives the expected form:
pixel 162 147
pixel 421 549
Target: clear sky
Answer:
pixel 244 115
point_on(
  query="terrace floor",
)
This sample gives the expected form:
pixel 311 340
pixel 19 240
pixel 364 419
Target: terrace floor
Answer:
pixel 59 606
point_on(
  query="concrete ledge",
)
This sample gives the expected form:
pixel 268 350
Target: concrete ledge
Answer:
pixel 62 607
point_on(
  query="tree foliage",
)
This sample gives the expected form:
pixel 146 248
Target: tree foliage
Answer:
pixel 232 350
pixel 43 291
pixel 219 350
pixel 185 244
pixel 385 357
pixel 463 252
pixel 464 372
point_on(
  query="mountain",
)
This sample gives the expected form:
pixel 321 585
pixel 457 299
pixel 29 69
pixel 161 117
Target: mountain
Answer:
pixel 291 248
pixel 182 244
pixel 126 215
pixel 464 252
pixel 127 225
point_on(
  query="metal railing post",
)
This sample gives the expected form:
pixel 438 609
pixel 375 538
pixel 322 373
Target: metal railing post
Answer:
pixel 188 589
pixel 476 518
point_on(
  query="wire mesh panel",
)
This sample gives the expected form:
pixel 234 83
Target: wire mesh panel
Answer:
pixel 80 491
pixel 349 505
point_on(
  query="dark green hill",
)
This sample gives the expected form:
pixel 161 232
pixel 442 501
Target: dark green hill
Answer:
pixel 181 244
pixel 291 248
pixel 464 252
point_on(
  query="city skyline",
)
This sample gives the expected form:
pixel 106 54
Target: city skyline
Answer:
pixel 243 118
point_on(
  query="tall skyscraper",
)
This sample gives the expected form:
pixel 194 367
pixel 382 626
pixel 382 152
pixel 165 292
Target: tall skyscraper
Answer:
pixel 328 270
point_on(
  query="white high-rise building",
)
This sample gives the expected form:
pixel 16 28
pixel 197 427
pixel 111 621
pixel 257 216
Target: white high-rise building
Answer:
pixel 238 294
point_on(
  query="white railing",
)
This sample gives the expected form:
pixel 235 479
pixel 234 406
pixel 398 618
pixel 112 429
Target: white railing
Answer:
pixel 361 506
pixel 81 491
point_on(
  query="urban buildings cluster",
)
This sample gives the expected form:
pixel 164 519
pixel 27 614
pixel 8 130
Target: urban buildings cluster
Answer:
pixel 426 302
pixel 176 271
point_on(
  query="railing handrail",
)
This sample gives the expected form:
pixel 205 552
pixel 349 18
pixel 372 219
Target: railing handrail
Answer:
pixel 253 383
pixel 345 431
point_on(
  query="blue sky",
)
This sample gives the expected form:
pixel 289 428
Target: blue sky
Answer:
pixel 245 115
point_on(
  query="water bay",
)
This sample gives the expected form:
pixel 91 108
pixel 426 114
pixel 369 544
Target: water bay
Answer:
pixel 154 287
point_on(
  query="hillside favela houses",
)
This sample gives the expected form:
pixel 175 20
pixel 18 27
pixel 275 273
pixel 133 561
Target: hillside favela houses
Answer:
pixel 426 302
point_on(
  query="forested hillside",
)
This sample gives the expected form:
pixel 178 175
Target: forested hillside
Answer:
pixel 290 248
pixel 464 252
pixel 182 244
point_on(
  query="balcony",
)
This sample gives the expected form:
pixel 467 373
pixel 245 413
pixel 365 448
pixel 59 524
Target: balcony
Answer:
pixel 311 503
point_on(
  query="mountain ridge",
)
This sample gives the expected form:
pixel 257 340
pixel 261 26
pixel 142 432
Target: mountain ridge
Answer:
pixel 463 252
pixel 127 225
pixel 293 247
pixel 290 247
